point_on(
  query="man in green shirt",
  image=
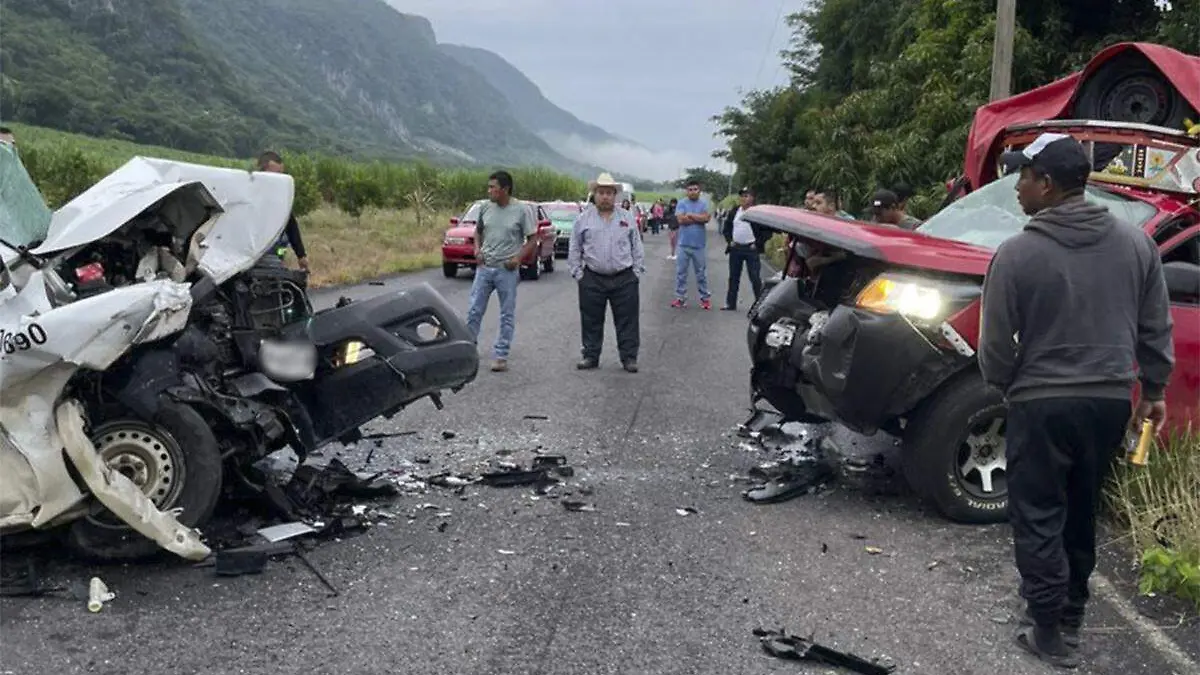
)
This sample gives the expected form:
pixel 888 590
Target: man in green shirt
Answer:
pixel 503 238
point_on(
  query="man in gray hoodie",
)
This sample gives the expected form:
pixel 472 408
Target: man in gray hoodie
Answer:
pixel 1070 305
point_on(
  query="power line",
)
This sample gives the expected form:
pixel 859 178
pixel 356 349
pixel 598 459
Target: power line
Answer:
pixel 767 48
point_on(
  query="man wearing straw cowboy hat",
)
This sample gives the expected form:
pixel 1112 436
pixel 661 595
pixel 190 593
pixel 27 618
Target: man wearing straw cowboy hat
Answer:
pixel 607 259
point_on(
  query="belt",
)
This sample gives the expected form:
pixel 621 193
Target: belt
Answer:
pixel 614 274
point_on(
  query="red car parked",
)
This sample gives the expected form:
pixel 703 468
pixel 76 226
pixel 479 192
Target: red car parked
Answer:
pixel 458 245
pixel 886 338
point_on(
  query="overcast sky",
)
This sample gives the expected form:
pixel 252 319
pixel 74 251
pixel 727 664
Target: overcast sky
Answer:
pixel 654 71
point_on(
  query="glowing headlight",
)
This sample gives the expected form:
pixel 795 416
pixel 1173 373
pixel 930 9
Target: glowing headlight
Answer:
pixel 287 361
pixel 455 241
pixel 888 295
pixel 351 353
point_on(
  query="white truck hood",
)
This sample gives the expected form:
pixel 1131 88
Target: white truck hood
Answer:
pixel 249 209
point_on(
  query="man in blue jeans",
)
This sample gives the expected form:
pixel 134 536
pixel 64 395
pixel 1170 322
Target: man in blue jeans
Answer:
pixel 692 248
pixel 503 238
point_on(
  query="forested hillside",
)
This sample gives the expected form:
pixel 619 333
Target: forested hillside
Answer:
pixel 131 70
pixel 229 77
pixel 884 92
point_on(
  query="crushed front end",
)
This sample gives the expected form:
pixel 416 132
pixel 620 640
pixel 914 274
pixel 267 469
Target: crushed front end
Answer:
pixel 864 349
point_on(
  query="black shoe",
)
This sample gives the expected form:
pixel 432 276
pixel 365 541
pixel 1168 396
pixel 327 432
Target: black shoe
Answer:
pixel 1070 631
pixel 587 364
pixel 1051 650
pixel 630 366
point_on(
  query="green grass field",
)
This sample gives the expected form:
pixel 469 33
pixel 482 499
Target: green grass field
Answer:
pixel 360 219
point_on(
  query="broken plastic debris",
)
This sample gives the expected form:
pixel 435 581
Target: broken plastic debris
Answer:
pixel 98 594
pixel 285 531
pixel 873 550
pixel 578 506
pixel 686 511
pixel 794 648
pixel 280 465
pixel 447 435
pixel 621 524
pixel 502 551
pixel 536 417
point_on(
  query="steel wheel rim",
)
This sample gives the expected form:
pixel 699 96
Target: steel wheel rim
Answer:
pixel 150 457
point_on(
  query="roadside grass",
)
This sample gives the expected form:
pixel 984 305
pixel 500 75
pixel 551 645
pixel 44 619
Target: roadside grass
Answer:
pixel 776 252
pixel 1159 504
pixel 345 249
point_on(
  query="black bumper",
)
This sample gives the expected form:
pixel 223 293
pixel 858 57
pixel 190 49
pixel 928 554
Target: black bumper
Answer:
pixel 562 246
pixel 405 366
pixel 858 368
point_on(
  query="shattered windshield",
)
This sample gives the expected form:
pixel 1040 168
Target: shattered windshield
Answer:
pixel 24 216
pixel 991 214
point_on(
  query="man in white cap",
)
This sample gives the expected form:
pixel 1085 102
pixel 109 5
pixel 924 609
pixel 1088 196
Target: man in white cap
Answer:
pixel 607 259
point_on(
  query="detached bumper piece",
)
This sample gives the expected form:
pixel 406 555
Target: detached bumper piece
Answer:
pixel 794 648
pixel 382 354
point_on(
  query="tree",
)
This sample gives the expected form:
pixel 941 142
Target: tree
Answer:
pixel 714 182
pixel 885 92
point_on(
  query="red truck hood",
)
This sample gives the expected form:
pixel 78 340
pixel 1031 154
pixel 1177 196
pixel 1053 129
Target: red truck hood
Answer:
pixel 888 244
pixel 1054 101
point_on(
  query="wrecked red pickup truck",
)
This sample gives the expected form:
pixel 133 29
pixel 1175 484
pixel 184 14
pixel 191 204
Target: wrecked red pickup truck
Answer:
pixel 885 338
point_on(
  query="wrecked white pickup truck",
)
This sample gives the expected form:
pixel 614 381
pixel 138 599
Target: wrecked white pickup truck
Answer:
pixel 152 351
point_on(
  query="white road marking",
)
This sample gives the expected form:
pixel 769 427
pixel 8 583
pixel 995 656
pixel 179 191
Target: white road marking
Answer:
pixel 1145 627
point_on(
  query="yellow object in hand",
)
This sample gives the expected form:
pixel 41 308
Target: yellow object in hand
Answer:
pixel 1143 445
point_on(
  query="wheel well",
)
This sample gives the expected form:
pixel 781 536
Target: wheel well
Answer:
pixel 968 370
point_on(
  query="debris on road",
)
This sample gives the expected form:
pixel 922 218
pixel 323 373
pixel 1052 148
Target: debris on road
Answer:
pixel 800 468
pixel 794 648
pixel 447 435
pixel 503 551
pixel 535 417
pixel 577 506
pixel 316 572
pixel 686 511
pixel 98 594
pixel 277 533
pixel 873 550
pixel 234 562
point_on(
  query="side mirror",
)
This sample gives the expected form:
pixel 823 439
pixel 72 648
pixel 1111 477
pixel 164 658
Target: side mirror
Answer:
pixel 453 222
pixel 1183 281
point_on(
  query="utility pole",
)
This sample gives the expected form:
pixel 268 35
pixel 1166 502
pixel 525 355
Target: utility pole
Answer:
pixel 1002 49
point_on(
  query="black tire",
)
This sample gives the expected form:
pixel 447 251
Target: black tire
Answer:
pixel 450 270
pixel 548 264
pixel 936 449
pixel 189 439
pixel 1129 88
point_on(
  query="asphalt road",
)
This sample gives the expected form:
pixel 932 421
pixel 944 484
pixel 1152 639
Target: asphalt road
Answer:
pixel 496 581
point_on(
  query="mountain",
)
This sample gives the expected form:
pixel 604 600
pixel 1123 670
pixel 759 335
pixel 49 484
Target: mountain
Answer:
pixel 118 69
pixel 233 76
pixel 532 109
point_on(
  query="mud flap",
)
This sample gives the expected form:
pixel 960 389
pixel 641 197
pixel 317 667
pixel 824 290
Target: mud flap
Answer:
pixel 119 494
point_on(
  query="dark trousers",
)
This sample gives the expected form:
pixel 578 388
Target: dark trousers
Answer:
pixel 1059 452
pixel 743 255
pixel 596 292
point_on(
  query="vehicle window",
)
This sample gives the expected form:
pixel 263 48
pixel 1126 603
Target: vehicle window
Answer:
pixel 472 213
pixel 991 214
pixel 563 214
pixel 1187 251
pixel 24 216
